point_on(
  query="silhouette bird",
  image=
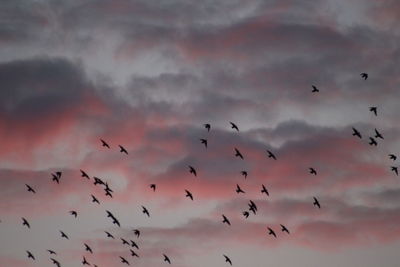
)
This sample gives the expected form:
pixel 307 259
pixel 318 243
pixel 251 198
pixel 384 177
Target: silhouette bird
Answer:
pixel 227 259
pixel 64 235
pixel 108 192
pixel 58 174
pixel 52 252
pixel 271 232
pixel 356 133
pixel 134 245
pixel 95 200
pixel 372 142
pixel 55 178
pixel 123 260
pixel 313 171
pixel 188 194
pixel 166 259
pixel 192 170
pixel 136 232
pixel 271 155
pixel 234 126
pixel 238 154
pixel 30 189
pixel 364 75
pixel 264 190
pixel 378 134
pixel 246 214
pixel 115 221
pixel 203 141
pixel 85 262
pixel 84 174
pixel 207 126
pixel 238 189
pixel 97 181
pixel 55 262
pixel 109 214
pixel 30 255
pixel 124 242
pixel 153 186
pixel 253 205
pixel 392 156
pixel 284 229
pixel 104 143
pixel 145 211
pixel 394 169
pixel 244 173
pixel 25 222
pixel 316 203
pixel 122 149
pixel 225 220
pixel 87 248
pixel 374 110
pixel 74 213
pixel 315 89
pixel 109 235
pixel 133 253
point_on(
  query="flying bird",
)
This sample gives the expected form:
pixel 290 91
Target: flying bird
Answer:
pixel 378 134
pixel 313 171
pixel 356 133
pixel 109 235
pixel 133 253
pixel 364 75
pixel 374 110
pixel 234 126
pixel 271 155
pixel 188 194
pixel 315 89
pixel 192 170
pixel 244 173
pixel 316 203
pixel 56 178
pixel 153 186
pixel 134 245
pixel 166 259
pixel 238 189
pixel 64 235
pixel 87 248
pixel 372 142
pixel 84 174
pixel 203 141
pixel 246 214
pixel 145 211
pixel 207 126
pixel 227 259
pixel 122 149
pixel 264 190
pixel 85 261
pixel 271 232
pixel 123 260
pixel 136 232
pixel 392 156
pixel 97 181
pixel 238 154
pixel 115 221
pixel 30 189
pixel 58 174
pixel 284 229
pixel 95 200
pixel 25 222
pixel 55 262
pixel 124 242
pixel 253 205
pixel 73 213
pixel 108 192
pixel 30 255
pixel 104 143
pixel 225 220
pixel 52 252
pixel 394 169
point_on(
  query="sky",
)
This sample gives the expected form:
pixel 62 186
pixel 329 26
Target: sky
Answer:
pixel 148 75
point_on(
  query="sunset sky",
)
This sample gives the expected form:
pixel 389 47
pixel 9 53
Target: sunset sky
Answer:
pixel 148 75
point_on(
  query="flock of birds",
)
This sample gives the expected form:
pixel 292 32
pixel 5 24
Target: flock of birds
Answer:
pixel 252 207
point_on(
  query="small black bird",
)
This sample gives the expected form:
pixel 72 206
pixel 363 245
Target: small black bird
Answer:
pixel 394 169
pixel 109 235
pixel 392 156
pixel 234 126
pixel 271 232
pixel 252 207
pixel 244 173
pixel 356 133
pixel 64 235
pixel 95 200
pixel 364 75
pixel 188 194
pixel 153 186
pixel 374 110
pixel 123 260
pixel 372 142
pixel 203 141
pixel 30 189
pixel 271 155
pixel 238 189
pixel 246 214
pixel 25 222
pixel 56 178
pixel 207 126
pixel 192 170
pixel 115 221
pixel 97 181
pixel 166 259
pixel 87 248
pixel 145 211
pixel 378 134
pixel 104 143
pixel 85 261
pixel 315 89
pixel 73 213
pixel 52 252
pixel 133 253
pixel 124 242
pixel 109 214
pixel 227 259
pixel 238 154
pixel 134 245
pixel 122 149
pixel 264 190
pixel 225 220
pixel 316 203
pixel 108 192
pixel 55 262
pixel 313 171
pixel 136 232
pixel 30 255
pixel 284 229
pixel 84 174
